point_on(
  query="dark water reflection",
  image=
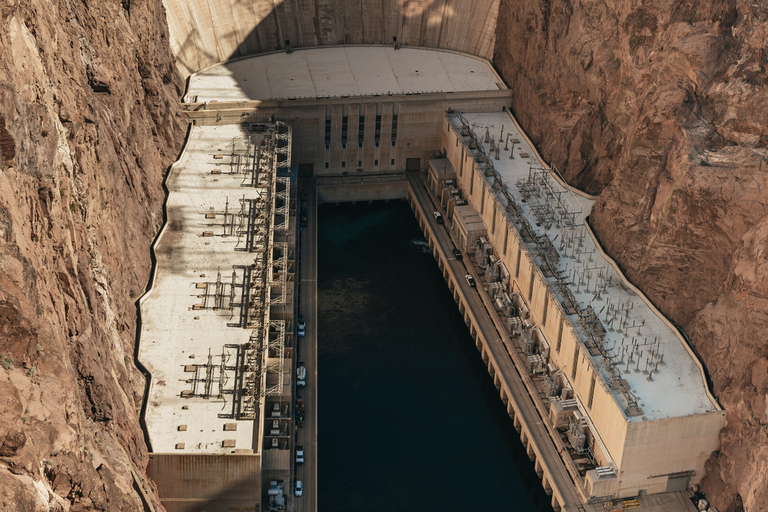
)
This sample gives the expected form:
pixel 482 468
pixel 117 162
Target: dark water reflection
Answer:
pixel 409 418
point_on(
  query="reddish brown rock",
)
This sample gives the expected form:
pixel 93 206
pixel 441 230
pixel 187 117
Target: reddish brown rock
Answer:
pixel 660 110
pixel 88 125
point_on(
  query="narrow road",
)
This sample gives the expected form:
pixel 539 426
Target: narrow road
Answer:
pixel 306 436
pixel 498 352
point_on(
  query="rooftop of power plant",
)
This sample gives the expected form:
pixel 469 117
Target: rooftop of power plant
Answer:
pixel 195 338
pixel 343 71
pixel 643 359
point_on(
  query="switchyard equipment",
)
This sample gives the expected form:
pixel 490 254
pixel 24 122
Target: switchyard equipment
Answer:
pixel 624 389
pixel 593 349
pixel 215 326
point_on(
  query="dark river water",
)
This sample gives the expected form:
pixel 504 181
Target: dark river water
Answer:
pixel 409 419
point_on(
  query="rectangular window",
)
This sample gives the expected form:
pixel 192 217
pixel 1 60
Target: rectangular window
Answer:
pixel 326 165
pixel 392 162
pixel 343 164
pixel 360 132
pixel 375 162
pixel 394 129
pixel 377 132
pixel 530 289
pixel 560 335
pixel 359 163
pixel 575 367
pixel 517 265
pixel 327 133
pixel 546 310
pixel 591 392
pixel 493 222
pixel 344 132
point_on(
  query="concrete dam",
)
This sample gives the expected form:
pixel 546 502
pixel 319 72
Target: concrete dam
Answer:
pixel 293 104
pixel 205 33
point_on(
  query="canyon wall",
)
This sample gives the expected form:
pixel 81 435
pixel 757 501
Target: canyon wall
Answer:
pixel 204 32
pixel 88 124
pixel 660 108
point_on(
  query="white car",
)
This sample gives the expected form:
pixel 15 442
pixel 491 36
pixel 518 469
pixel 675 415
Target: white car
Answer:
pixel 299 488
pixel 301 326
pixel 301 375
pixel 470 280
pixel 438 217
pixel 299 455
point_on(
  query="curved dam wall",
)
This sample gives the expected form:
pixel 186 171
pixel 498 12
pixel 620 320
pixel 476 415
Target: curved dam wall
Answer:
pixel 205 32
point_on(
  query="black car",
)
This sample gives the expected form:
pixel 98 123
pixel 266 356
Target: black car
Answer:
pixel 457 254
pixel 303 218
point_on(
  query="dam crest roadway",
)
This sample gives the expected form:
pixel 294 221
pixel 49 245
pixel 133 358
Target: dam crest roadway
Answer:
pixel 610 403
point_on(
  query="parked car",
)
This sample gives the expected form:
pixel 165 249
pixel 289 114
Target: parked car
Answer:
pixel 301 375
pixel 299 488
pixel 301 327
pixel 470 280
pixel 457 254
pixel 438 217
pixel 299 455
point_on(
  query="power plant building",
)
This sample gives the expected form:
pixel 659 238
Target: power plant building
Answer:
pixel 624 395
pixel 217 323
pixel 624 388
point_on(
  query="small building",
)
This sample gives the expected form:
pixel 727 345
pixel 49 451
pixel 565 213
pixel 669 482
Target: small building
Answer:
pixel 467 227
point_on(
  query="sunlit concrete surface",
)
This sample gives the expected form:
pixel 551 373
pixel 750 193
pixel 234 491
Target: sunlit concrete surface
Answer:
pixel 622 387
pixel 343 71
pixel 175 335
pixel 677 386
pixel 204 32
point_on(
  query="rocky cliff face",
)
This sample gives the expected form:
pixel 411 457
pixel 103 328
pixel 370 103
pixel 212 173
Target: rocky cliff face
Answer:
pixel 88 124
pixel 659 107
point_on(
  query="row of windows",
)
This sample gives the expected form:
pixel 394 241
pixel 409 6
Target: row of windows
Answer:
pixel 359 163
pixel 359 145
pixel 360 132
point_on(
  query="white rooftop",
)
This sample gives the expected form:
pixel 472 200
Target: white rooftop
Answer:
pixel 342 71
pixel 677 387
pixel 175 335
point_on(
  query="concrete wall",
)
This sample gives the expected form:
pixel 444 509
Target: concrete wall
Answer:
pixel 210 483
pixel 353 189
pixel 663 447
pixel 205 32
pixel 419 118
